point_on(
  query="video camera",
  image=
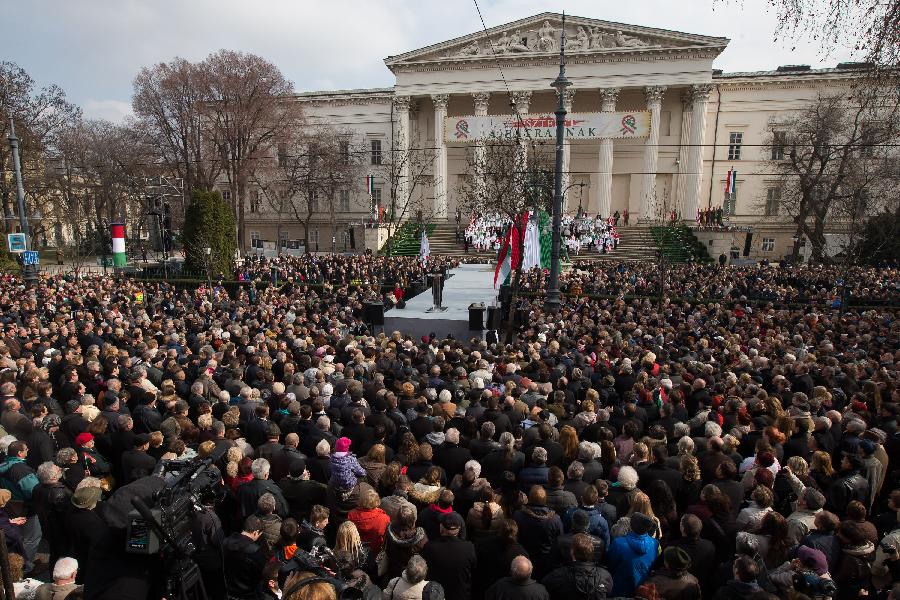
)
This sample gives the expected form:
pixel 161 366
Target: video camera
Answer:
pixel 167 521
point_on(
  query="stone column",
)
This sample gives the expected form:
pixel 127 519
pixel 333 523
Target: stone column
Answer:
pixel 568 99
pixel 608 99
pixel 400 154
pixel 440 156
pixel 683 148
pixel 481 100
pixel 694 170
pixel 521 101
pixel 651 154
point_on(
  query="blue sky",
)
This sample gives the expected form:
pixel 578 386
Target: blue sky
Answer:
pixel 94 48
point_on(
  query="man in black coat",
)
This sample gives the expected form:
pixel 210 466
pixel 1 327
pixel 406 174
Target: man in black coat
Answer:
pixel 244 557
pixel 451 456
pixel 284 460
pixel 582 578
pixel 84 526
pixel 136 463
pixel 52 501
pixel 248 494
pixel 519 585
pixel 272 447
pixel 658 470
pixel 361 435
pixel 451 560
pixel 701 551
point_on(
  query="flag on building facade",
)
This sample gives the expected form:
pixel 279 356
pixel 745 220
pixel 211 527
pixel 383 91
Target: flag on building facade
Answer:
pixel 424 247
pixel 117 232
pixel 532 254
pixel 731 182
pixel 504 264
pixel 370 184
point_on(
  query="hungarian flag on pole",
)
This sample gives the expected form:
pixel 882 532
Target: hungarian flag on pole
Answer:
pixel 370 184
pixel 504 266
pixel 117 232
pixel 731 182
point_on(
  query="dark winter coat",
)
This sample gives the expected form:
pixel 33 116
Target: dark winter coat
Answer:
pixel 675 585
pixel 578 581
pixel 399 547
pixel 510 589
pixel 538 529
pixel 451 562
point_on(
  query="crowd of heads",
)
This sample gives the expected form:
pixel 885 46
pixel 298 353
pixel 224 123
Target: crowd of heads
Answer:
pixel 739 440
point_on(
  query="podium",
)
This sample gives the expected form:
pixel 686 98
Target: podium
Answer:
pixel 437 291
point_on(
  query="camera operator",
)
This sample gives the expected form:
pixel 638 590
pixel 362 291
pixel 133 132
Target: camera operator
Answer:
pixel 208 535
pixel 807 574
pixel 244 557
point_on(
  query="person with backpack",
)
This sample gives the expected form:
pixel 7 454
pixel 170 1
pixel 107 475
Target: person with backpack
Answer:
pixel 583 578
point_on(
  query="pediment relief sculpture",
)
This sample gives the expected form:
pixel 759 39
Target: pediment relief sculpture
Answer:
pixel 546 39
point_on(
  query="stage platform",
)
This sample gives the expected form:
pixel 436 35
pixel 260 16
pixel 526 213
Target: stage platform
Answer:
pixel 468 284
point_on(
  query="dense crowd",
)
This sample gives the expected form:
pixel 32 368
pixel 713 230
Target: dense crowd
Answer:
pixel 591 234
pixel 616 449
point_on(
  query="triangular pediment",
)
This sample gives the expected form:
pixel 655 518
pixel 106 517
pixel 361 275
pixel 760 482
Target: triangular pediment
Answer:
pixel 540 35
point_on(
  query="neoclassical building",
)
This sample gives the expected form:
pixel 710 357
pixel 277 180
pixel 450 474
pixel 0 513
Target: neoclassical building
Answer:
pixel 660 126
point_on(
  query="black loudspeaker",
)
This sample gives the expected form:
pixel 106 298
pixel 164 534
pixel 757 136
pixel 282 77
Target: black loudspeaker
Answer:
pixel 493 317
pixel 747 243
pixel 476 317
pixel 373 313
pixel 353 238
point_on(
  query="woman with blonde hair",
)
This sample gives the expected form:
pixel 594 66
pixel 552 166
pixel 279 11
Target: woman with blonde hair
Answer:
pixel 640 502
pixel 821 470
pixel 690 482
pixel 349 542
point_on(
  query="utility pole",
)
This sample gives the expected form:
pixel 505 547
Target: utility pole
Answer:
pixel 29 272
pixel 551 303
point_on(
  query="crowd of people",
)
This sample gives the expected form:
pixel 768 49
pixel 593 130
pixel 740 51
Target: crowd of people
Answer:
pixel 618 448
pixel 592 234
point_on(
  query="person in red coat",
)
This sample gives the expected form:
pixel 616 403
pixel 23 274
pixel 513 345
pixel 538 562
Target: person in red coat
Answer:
pixel 370 520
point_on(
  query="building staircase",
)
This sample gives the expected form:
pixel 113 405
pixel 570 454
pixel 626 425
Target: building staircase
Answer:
pixel 636 243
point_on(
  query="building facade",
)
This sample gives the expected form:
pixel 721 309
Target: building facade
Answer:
pixel 701 124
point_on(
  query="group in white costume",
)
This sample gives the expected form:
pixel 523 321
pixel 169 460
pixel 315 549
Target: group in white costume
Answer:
pixel 584 232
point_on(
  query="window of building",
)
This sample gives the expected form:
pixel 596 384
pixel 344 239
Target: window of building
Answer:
pixel 255 242
pixel 254 201
pixel 735 139
pixel 779 138
pixel 344 152
pixel 376 195
pixel 344 201
pixel 282 155
pixel 314 202
pixel 226 195
pixel 314 236
pixel 376 152
pixel 773 199
pixel 768 244
pixel 283 238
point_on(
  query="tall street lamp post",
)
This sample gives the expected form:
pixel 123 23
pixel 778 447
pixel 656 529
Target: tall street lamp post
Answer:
pixel 29 271
pixel 551 304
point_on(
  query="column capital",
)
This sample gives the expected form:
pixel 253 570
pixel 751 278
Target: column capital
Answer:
pixel 402 103
pixel 521 100
pixel 568 98
pixel 687 99
pixel 654 94
pixel 700 92
pixel 440 101
pixel 481 100
pixel 608 98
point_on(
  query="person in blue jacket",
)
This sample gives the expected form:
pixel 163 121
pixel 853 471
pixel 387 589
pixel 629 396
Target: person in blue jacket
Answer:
pixel 631 556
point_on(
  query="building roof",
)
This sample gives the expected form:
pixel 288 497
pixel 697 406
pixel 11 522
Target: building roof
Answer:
pixel 325 94
pixel 795 71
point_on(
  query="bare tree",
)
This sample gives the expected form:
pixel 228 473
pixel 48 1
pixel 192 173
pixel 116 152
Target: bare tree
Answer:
pixel 835 161
pixel 870 27
pixel 168 102
pixel 511 179
pixel 39 115
pixel 247 105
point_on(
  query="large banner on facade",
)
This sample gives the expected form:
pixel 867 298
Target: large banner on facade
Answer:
pixel 579 126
